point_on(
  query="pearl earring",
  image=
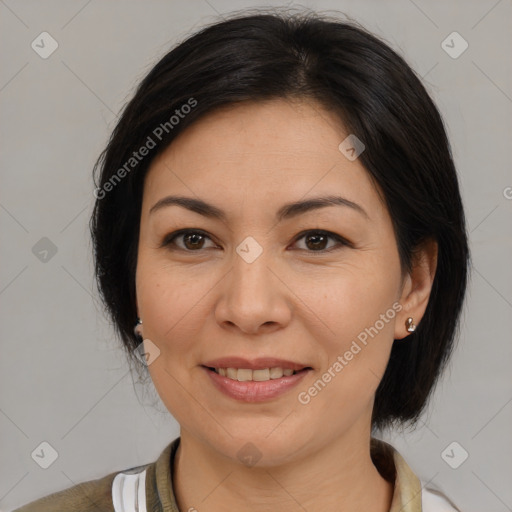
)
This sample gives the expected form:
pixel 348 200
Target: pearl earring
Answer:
pixel 409 325
pixel 137 329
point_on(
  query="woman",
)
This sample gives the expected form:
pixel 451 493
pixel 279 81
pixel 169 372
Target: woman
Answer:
pixel 279 237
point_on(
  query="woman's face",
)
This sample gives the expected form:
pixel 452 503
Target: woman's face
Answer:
pixel 257 281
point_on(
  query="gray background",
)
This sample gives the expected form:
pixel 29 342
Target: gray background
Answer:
pixel 63 378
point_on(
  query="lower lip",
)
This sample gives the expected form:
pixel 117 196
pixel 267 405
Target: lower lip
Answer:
pixel 255 391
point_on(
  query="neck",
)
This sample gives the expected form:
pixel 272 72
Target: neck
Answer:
pixel 339 477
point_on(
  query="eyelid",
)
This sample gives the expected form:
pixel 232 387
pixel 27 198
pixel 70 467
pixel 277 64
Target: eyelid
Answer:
pixel 341 241
pixel 169 239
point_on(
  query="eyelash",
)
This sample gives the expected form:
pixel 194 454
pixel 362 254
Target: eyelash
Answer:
pixel 169 239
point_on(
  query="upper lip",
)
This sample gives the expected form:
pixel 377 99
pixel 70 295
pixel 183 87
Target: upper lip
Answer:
pixel 254 364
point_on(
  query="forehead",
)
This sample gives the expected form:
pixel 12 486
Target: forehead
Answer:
pixel 257 154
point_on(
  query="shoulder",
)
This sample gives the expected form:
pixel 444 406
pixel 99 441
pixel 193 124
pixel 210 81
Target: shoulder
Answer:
pixel 410 492
pixel 91 496
pixel 120 491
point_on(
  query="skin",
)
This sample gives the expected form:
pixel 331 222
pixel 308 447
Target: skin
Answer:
pixel 295 302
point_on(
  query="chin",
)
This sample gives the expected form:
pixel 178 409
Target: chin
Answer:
pixel 257 448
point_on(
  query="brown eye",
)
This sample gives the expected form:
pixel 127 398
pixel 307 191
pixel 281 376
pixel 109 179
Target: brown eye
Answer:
pixel 317 241
pixel 192 240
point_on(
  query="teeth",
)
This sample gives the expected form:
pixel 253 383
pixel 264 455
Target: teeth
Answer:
pixel 260 375
pixel 245 374
pixel 276 373
pixel 232 373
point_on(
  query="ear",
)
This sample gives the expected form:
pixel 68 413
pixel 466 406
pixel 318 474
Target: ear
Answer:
pixel 417 286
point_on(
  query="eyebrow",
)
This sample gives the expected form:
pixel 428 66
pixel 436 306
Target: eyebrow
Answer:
pixel 287 211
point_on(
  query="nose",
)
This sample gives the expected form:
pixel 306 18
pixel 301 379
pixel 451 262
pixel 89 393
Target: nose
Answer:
pixel 253 297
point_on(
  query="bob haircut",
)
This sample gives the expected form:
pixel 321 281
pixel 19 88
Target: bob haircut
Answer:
pixel 350 72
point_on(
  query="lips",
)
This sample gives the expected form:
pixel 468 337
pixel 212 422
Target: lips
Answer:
pixel 254 391
pixel 255 380
pixel 254 364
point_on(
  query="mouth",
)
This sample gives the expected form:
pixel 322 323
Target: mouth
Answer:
pixel 257 375
pixel 263 382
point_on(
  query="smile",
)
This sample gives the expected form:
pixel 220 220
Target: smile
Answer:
pixel 259 385
pixel 246 374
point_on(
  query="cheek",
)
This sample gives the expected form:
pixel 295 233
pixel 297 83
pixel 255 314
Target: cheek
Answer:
pixel 165 298
pixel 352 299
pixel 357 334
pixel 356 312
pixel 170 304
